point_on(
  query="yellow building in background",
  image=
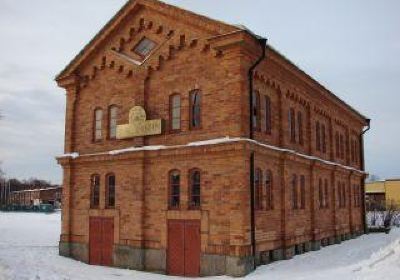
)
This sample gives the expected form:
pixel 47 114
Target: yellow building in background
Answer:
pixel 382 192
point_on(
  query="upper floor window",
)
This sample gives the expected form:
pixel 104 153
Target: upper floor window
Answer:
pixel 294 192
pixel 292 125
pixel 341 141
pixel 195 109
pixel 257 189
pixel 175 112
pixel 110 191
pixel 302 192
pixel 112 121
pixel 98 124
pixel 323 138
pixel 195 189
pixel 174 189
pixel 337 148
pixel 300 127
pixel 318 136
pixel 256 111
pixel 94 191
pixel 144 47
pixel 269 199
pixel 268 115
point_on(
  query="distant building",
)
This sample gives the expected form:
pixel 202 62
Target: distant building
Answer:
pixel 380 193
pixel 36 196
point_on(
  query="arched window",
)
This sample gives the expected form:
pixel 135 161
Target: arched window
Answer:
pixel 326 194
pixel 112 122
pixel 318 136
pixel 323 138
pixel 337 145
pixel 110 191
pixel 294 192
pixel 98 125
pixel 341 141
pixel 300 127
pixel 292 125
pixel 195 109
pixel 195 189
pixel 344 194
pixel 256 111
pixel 94 191
pixel 175 112
pixel 268 115
pixel 174 189
pixel 269 199
pixel 321 194
pixel 302 192
pixel 257 188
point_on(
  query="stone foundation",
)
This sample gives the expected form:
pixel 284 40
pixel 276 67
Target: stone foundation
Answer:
pixel 239 266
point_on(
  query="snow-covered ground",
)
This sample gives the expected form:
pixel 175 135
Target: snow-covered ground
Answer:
pixel 28 250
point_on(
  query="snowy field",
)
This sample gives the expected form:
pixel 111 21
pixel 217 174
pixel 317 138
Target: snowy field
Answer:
pixel 28 250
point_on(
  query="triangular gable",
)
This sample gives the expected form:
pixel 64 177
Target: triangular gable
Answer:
pixel 214 26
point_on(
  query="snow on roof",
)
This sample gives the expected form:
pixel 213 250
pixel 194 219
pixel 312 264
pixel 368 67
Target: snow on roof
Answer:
pixel 214 142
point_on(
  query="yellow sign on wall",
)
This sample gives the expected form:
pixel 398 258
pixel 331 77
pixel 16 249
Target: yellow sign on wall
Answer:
pixel 138 125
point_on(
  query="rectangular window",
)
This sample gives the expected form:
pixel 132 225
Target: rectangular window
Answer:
pixel 341 140
pixel 268 115
pixel 337 145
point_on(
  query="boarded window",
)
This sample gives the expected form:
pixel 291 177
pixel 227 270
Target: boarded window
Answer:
pixel 175 112
pixel 98 124
pixel 113 116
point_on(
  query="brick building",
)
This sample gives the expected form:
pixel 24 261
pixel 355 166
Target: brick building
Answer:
pixel 170 118
pixel 36 196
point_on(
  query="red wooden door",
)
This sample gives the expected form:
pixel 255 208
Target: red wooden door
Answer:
pixel 183 248
pixel 95 241
pixel 108 241
pixel 176 248
pixel 101 240
pixel 192 248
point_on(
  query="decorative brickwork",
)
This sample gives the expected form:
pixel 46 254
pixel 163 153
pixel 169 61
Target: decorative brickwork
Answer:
pixel 190 54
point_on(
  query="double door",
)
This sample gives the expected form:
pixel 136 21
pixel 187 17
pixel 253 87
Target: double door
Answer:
pixel 101 241
pixel 183 254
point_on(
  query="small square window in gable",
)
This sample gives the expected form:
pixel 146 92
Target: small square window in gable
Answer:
pixel 144 47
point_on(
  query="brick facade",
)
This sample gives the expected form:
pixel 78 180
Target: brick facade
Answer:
pixel 196 53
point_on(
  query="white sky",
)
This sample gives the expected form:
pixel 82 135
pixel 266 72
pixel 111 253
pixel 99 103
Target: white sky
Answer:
pixel 350 46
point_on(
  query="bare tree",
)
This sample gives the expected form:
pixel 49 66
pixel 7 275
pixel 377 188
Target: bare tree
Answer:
pixel 373 178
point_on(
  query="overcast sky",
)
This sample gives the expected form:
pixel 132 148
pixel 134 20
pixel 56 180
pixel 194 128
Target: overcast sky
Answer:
pixel 350 46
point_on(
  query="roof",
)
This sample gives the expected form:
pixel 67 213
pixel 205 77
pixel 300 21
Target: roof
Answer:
pixel 130 4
